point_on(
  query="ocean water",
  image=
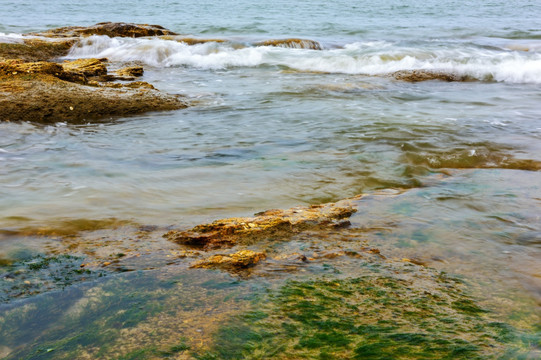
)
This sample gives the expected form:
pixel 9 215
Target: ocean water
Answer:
pixel 275 127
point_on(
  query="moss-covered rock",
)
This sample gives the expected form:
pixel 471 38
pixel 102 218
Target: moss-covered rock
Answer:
pixel 376 316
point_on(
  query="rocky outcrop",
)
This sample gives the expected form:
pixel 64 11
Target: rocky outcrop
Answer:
pixel 35 49
pixel 236 261
pixel 86 67
pixel 269 224
pixel 111 29
pixel 49 92
pixel 425 75
pixel 130 71
pixel 291 43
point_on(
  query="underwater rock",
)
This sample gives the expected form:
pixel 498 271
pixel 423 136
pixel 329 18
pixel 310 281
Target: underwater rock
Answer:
pixel 291 43
pixel 50 92
pixel 425 75
pixel 269 224
pixel 239 260
pixel 111 29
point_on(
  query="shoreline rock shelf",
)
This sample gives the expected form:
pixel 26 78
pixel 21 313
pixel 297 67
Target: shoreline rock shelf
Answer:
pixel 35 87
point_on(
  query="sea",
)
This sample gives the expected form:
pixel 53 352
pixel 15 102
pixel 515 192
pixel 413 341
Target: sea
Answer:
pixel 276 127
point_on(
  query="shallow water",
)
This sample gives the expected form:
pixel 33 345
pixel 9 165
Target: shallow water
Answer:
pixel 275 127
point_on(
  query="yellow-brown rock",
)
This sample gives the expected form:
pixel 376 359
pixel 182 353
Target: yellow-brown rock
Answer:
pixel 45 92
pixel 425 75
pixel 130 71
pixel 292 43
pixel 36 49
pixel 271 224
pixel 239 260
pixel 111 29
pixel 87 67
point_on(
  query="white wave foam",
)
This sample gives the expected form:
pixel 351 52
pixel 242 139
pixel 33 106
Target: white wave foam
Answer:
pixel 11 38
pixel 367 58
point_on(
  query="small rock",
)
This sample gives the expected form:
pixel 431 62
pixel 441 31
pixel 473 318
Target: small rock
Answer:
pixel 239 260
pixel 130 71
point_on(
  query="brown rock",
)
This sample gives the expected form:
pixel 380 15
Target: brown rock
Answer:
pixel 191 40
pixel 110 29
pixel 239 260
pixel 425 75
pixel 269 224
pixel 36 50
pixel 130 71
pixel 291 43
pixel 86 67
pixel 44 92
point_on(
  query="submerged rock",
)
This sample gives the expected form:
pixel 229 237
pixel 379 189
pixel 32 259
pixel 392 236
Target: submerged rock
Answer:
pixel 425 75
pixel 111 29
pixel 292 43
pixel 268 224
pixel 239 260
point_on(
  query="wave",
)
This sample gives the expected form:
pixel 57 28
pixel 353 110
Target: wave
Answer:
pixel 363 58
pixel 11 38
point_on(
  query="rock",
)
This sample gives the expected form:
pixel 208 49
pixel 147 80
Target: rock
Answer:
pixel 269 224
pixel 191 40
pixel 291 43
pixel 130 71
pixel 425 75
pixel 87 67
pixel 45 92
pixel 111 29
pixel 36 50
pixel 239 260
pixel 19 67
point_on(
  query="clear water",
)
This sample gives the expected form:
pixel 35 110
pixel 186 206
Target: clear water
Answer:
pixel 278 127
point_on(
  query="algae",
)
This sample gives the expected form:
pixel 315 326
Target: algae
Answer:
pixel 376 316
pixel 40 274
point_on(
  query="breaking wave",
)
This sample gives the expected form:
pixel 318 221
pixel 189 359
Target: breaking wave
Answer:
pixel 511 63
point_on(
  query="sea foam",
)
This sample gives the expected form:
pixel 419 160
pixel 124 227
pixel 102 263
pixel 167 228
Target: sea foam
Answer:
pixel 363 58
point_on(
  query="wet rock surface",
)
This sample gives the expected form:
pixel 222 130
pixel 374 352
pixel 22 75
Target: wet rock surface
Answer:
pixel 426 75
pixel 292 43
pixel 73 91
pixel 36 49
pixel 111 29
pixel 237 261
pixel 276 224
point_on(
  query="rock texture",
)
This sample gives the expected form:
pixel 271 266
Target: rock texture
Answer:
pixel 48 92
pixel 111 29
pixel 425 75
pixel 35 49
pixel 269 224
pixel 236 261
pixel 292 43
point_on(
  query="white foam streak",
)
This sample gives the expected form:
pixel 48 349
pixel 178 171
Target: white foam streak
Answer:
pixel 367 58
pixel 11 38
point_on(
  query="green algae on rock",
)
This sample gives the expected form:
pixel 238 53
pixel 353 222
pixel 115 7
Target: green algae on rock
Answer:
pixel 376 316
pixel 42 274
